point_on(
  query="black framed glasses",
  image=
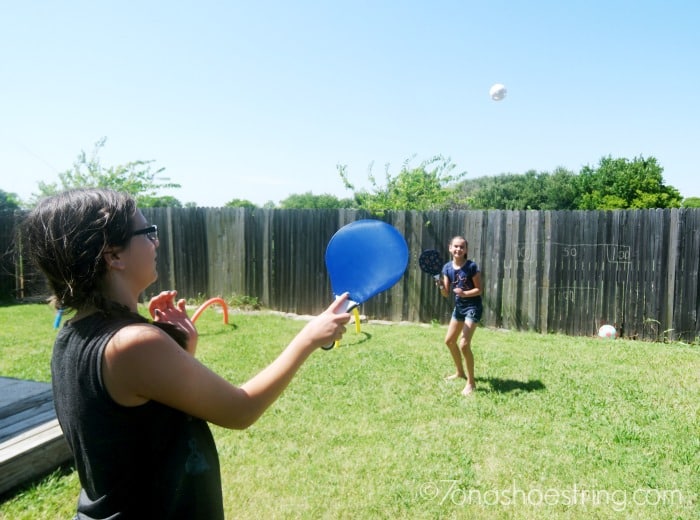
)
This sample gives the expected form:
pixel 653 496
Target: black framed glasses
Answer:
pixel 151 232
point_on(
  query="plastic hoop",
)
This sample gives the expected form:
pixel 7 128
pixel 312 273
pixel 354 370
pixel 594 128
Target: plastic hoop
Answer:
pixel 211 301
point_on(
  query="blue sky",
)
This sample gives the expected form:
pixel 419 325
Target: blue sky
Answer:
pixel 260 100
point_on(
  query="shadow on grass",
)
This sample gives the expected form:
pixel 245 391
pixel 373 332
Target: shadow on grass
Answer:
pixel 61 471
pixel 503 386
pixel 220 331
pixel 353 339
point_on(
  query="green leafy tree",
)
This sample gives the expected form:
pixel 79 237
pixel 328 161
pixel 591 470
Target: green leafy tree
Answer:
pixel 531 190
pixel 691 202
pixel 506 191
pixel 623 184
pixel 138 178
pixel 164 201
pixel 310 201
pixel 464 193
pixel 9 201
pixel 614 184
pixel 561 190
pixel 426 186
pixel 240 203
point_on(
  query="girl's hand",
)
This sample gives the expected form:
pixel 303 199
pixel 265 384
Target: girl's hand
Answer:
pixel 164 309
pixel 329 326
pixel 163 301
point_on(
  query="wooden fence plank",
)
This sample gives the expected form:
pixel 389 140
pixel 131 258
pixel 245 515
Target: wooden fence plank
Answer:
pixel 493 243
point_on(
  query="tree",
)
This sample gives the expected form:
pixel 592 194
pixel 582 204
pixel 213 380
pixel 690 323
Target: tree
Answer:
pixel 561 190
pixel 614 184
pixel 691 202
pixel 427 186
pixel 622 184
pixel 164 201
pixel 9 201
pixel 310 201
pixel 531 190
pixel 138 178
pixel 507 191
pixel 240 203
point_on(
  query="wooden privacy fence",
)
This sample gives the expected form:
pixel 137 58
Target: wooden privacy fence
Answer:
pixel 547 271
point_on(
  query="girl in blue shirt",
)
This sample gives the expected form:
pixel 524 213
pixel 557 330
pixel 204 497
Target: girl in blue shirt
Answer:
pixel 462 279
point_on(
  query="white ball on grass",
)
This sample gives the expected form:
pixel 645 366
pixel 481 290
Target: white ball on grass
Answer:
pixel 607 332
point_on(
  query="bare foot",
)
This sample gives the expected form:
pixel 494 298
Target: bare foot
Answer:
pixel 455 376
pixel 469 389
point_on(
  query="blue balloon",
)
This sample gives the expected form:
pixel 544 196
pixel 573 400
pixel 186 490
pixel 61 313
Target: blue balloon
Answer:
pixel 365 258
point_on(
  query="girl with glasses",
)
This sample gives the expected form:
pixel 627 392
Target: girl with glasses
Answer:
pixel 133 401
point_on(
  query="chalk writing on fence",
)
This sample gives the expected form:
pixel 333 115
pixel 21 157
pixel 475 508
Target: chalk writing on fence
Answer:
pixel 618 253
pixel 570 294
pixel 614 253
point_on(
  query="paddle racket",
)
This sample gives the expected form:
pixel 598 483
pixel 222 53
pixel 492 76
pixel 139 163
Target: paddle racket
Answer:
pixel 430 262
pixel 365 258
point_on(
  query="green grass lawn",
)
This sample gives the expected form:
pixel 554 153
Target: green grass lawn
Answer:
pixel 560 427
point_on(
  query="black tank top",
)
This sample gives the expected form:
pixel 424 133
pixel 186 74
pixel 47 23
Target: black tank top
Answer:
pixel 148 461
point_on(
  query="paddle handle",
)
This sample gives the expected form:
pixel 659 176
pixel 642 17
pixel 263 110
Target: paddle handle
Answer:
pixel 349 306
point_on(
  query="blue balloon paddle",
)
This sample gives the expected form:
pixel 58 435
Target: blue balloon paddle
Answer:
pixel 365 258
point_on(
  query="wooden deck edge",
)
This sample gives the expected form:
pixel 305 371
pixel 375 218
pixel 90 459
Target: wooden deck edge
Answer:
pixel 32 454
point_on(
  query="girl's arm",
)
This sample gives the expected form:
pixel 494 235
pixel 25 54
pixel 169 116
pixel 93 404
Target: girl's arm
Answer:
pixel 444 285
pixel 143 363
pixel 470 293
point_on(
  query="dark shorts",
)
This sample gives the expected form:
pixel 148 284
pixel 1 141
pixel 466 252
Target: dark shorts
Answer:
pixel 472 313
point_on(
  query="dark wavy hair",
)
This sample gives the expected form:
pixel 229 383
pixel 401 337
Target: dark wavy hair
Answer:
pixel 66 236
